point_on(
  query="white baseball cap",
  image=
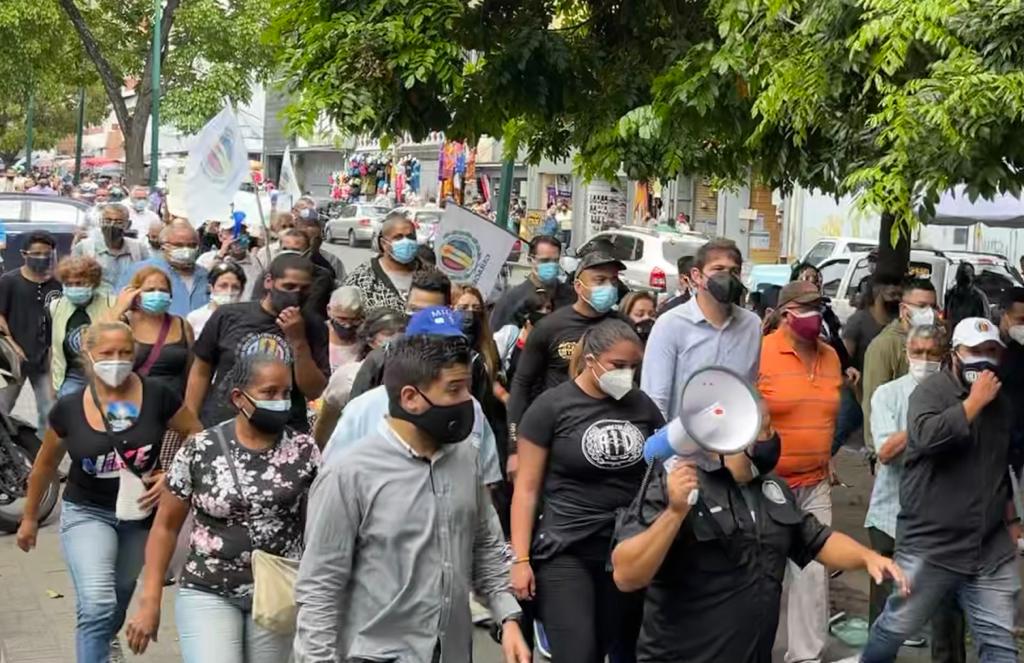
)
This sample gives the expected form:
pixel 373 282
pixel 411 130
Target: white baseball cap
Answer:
pixel 972 332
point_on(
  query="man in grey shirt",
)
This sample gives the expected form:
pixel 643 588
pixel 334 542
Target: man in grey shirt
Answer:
pixel 401 527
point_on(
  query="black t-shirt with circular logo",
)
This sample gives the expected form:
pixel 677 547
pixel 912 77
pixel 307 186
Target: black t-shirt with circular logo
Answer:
pixel 595 465
pixel 238 330
pixel 73 333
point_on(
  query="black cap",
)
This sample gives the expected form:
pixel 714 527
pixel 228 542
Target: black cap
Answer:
pixel 599 259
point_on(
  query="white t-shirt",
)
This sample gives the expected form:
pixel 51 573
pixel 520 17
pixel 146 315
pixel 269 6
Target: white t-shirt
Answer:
pixel 199 317
pixel 401 280
pixel 141 221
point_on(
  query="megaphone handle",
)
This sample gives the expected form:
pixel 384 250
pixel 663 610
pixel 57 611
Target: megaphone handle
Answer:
pixel 692 498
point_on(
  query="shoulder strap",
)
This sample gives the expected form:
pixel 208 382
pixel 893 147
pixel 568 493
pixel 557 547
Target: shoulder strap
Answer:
pixel 154 351
pixel 218 432
pixel 117 443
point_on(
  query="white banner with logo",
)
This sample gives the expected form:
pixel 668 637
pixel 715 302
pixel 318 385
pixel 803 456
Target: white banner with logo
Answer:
pixel 288 184
pixel 217 165
pixel 471 249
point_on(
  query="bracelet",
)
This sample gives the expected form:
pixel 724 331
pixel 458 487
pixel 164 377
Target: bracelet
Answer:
pixel 520 560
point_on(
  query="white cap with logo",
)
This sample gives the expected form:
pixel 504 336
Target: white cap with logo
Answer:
pixel 972 332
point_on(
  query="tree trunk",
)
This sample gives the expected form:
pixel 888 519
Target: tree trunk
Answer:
pixel 893 259
pixel 135 142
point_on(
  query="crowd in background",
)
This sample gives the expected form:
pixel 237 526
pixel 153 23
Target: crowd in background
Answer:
pixel 405 443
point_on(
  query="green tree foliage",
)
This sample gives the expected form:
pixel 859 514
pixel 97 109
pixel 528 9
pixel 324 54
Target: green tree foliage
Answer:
pixel 39 55
pixel 212 53
pixel 891 100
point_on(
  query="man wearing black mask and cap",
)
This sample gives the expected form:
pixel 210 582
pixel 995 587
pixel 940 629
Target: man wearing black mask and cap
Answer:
pixel 272 325
pixel 710 329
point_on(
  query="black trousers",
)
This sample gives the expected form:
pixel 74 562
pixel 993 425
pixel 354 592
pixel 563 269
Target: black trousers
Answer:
pixel 584 615
pixel 948 628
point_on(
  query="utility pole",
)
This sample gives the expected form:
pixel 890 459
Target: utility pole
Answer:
pixel 508 167
pixel 154 143
pixel 81 130
pixel 28 132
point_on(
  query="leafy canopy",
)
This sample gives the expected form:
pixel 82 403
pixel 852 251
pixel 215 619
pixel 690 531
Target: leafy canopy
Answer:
pixel 892 100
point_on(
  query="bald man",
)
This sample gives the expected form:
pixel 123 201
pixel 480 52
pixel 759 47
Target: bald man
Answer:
pixel 179 247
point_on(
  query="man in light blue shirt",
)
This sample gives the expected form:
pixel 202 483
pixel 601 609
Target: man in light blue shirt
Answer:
pixel 189 290
pixel 926 346
pixel 710 329
pixel 117 255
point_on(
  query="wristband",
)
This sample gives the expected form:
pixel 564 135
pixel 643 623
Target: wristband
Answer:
pixel 521 560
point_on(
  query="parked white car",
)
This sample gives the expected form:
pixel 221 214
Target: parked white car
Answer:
pixel 650 256
pixel 355 223
pixel 833 247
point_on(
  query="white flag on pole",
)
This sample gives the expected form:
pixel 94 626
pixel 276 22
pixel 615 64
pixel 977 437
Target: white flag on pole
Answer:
pixel 471 249
pixel 217 165
pixel 288 184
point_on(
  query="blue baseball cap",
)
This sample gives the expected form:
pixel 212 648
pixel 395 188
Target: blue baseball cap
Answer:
pixel 436 320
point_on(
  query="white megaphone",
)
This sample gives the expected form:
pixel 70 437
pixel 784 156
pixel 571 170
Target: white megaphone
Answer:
pixel 718 413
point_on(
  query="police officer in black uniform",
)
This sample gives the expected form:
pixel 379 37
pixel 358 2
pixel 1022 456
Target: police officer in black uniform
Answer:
pixel 713 572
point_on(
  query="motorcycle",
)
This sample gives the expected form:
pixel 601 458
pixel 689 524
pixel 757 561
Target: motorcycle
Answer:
pixel 19 445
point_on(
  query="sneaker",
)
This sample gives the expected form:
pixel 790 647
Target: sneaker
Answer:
pixel 915 642
pixel 116 653
pixel 540 640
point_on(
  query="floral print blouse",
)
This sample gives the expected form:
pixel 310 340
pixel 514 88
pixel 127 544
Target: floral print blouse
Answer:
pixel 227 529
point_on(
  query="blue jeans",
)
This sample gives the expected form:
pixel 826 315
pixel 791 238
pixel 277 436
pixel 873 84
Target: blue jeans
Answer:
pixel 41 383
pixel 213 629
pixel 104 556
pixel 849 418
pixel 989 602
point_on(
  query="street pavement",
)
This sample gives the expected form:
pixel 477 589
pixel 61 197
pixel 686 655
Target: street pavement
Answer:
pixel 37 614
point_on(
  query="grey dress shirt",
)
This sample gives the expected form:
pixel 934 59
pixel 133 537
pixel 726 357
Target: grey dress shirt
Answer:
pixel 394 542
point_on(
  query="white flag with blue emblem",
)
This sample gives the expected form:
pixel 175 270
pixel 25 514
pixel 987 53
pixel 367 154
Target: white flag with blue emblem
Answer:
pixel 471 249
pixel 288 184
pixel 217 164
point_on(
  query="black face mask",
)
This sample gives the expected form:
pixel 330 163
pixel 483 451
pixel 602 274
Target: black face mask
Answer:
pixel 534 317
pixel 725 288
pixel 764 455
pixel 112 234
pixel 282 299
pixel 445 424
pixel 155 245
pixel 39 264
pixel 344 332
pixel 271 422
pixel 471 326
pixel 643 329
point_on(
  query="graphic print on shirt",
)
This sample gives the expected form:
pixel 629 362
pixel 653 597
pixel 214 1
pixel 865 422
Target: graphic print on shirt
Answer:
pixel 121 415
pixel 108 465
pixel 74 339
pixel 265 343
pixel 566 349
pixel 612 443
pixel 50 297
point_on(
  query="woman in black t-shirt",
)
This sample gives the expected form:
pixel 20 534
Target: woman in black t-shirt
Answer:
pixel 581 457
pixel 273 467
pixel 112 431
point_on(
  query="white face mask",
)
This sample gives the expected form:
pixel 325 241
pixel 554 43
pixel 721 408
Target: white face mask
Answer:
pixel 222 298
pixel 922 368
pixel 1016 333
pixel 112 372
pixel 919 317
pixel 616 382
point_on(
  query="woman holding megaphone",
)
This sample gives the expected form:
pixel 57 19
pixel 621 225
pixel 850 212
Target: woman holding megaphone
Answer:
pixel 581 457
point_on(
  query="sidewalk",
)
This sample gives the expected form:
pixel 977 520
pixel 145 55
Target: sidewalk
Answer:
pixel 35 628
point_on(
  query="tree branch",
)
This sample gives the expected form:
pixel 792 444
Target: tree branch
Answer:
pixel 112 83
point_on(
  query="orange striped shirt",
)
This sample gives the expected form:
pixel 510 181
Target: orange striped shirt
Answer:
pixel 803 406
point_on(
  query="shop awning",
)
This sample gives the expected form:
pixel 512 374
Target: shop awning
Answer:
pixel 956 209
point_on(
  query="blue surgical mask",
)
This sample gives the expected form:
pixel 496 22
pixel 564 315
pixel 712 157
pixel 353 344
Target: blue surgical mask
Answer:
pixel 78 294
pixel 156 301
pixel 404 250
pixel 548 271
pixel 603 297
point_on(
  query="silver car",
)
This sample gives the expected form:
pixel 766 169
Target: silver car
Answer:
pixel 650 256
pixel 355 223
